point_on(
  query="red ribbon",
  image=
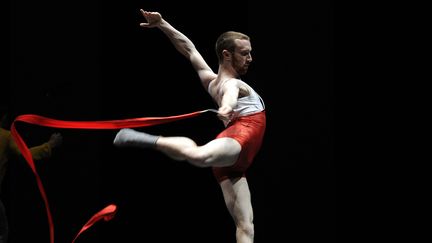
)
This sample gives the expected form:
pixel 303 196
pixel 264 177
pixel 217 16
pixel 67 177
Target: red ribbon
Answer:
pixel 110 124
pixel 107 214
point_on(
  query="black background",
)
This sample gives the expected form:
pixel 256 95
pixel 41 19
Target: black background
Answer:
pixel 88 60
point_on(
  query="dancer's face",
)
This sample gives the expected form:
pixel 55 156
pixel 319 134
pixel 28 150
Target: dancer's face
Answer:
pixel 241 57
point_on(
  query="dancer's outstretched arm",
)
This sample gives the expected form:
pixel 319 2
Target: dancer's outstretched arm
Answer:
pixel 182 43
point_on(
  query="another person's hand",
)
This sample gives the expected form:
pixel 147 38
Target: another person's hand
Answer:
pixel 153 19
pixel 55 140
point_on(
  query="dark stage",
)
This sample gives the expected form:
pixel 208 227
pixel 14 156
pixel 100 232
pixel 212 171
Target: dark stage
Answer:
pixel 90 60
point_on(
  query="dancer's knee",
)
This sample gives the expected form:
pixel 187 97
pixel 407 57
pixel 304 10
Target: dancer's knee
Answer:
pixel 246 229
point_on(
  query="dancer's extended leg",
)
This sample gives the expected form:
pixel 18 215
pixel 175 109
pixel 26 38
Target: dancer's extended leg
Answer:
pixel 128 137
pixel 218 152
pixel 178 148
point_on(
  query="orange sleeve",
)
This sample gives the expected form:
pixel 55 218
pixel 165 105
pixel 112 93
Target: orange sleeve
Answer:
pixel 38 152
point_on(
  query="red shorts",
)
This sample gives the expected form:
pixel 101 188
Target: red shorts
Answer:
pixel 249 132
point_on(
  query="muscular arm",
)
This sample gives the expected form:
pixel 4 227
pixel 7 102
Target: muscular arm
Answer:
pixel 229 100
pixel 182 43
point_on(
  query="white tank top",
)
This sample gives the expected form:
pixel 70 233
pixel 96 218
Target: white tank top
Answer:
pixel 250 104
pixel 247 105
